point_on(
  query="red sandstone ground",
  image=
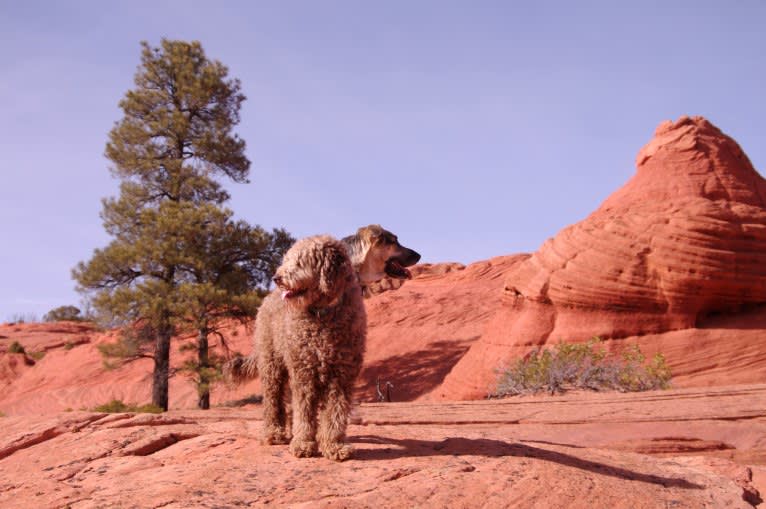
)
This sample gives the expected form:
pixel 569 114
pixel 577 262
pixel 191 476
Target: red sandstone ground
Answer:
pixel 682 449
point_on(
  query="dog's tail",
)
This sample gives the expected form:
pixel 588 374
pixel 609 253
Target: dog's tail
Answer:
pixel 240 369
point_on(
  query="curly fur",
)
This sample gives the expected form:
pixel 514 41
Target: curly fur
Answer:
pixel 309 345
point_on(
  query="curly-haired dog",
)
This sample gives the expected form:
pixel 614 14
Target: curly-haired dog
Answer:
pixel 310 334
pixel 374 253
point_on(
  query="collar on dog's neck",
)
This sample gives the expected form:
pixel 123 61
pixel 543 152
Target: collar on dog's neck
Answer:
pixel 321 312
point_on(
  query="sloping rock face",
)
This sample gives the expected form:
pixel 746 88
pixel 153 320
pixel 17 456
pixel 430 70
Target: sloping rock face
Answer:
pixel 416 334
pixel 684 238
pixel 64 370
pixel 680 449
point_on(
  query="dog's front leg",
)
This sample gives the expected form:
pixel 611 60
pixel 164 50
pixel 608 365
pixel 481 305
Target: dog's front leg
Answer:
pixel 333 421
pixel 305 401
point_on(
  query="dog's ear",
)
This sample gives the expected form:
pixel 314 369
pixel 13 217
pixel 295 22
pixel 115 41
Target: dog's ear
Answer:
pixel 335 264
pixel 370 233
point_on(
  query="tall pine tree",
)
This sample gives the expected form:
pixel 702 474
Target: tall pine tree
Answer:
pixel 177 258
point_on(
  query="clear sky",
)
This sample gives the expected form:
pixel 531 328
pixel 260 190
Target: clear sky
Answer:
pixel 469 128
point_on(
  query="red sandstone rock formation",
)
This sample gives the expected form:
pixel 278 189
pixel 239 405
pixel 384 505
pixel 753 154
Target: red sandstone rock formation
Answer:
pixel 685 237
pixel 69 373
pixel 663 263
pixel 418 332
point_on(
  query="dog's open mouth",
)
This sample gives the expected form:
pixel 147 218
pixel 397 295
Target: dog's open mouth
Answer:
pixel 291 294
pixel 396 270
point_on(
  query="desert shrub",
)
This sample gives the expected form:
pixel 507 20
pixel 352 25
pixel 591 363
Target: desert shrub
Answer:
pixel 38 355
pixel 70 344
pixel 15 347
pixel 63 314
pixel 117 406
pixel 583 366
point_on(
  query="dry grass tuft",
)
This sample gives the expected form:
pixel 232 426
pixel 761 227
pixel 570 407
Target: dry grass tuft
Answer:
pixel 583 366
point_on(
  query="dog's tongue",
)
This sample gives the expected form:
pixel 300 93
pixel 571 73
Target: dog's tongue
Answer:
pixel 395 269
pixel 286 294
pixel 406 272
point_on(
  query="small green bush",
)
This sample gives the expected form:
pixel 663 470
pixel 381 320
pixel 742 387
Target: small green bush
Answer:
pixel 15 347
pixel 117 406
pixel 38 355
pixel 583 366
pixel 64 314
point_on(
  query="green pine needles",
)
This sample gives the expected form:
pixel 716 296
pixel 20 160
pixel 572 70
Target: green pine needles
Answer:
pixel 178 260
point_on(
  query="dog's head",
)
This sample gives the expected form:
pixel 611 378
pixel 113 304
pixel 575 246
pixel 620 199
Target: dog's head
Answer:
pixel 315 271
pixel 376 253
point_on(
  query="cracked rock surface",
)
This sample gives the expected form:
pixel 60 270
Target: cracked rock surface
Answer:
pixel 681 448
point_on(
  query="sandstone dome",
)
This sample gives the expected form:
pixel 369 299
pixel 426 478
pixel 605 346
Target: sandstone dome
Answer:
pixel 684 238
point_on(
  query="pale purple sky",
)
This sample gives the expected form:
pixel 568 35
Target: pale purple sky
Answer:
pixel 470 129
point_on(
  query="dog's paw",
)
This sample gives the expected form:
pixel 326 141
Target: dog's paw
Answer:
pixel 303 448
pixel 337 451
pixel 275 436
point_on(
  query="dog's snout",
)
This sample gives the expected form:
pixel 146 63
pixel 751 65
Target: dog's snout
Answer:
pixel 277 280
pixel 413 258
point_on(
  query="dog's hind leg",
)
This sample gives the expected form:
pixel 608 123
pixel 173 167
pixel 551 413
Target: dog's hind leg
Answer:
pixel 275 417
pixel 333 421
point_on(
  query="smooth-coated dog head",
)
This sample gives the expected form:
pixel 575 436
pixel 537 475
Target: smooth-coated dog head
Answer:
pixel 315 271
pixel 377 253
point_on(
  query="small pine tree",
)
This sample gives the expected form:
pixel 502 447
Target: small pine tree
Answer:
pixel 168 224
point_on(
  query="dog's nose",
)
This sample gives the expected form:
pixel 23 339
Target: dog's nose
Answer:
pixel 277 280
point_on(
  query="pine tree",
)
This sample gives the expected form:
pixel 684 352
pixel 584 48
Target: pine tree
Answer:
pixel 177 258
pixel 226 260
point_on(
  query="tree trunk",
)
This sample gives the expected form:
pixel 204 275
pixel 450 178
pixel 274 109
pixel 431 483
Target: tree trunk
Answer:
pixel 203 386
pixel 161 367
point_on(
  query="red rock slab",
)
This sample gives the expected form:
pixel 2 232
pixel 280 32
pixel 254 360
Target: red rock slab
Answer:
pixel 528 452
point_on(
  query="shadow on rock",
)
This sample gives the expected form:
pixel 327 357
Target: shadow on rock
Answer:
pixel 496 448
pixel 423 370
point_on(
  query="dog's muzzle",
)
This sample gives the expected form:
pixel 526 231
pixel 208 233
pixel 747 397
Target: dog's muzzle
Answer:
pixel 396 265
